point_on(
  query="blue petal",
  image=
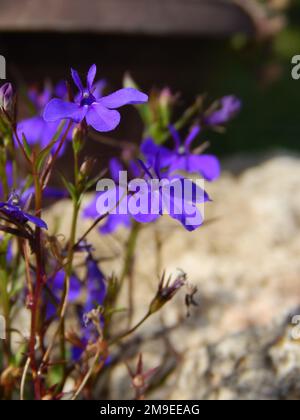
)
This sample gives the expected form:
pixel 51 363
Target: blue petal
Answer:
pixel 57 109
pixel 91 76
pixel 36 221
pixel 101 118
pixel 77 80
pixel 32 128
pixel 126 96
pixel 192 135
pixel 150 150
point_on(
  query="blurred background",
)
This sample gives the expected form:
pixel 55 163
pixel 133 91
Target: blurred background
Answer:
pixel 245 263
pixel 241 47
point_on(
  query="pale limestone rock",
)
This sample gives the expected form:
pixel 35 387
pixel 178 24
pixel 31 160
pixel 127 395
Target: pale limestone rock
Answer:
pixel 246 264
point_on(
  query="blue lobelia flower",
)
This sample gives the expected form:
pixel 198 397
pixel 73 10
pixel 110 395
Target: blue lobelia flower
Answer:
pixel 166 194
pixel 229 107
pixel 11 211
pixel 100 113
pixel 182 158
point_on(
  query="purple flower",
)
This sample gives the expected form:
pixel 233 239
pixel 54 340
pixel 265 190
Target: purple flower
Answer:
pixel 228 109
pixel 182 158
pixel 164 194
pixel 100 113
pixel 6 96
pixel 12 212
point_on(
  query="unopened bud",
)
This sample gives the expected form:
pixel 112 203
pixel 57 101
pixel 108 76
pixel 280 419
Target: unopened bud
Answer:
pixel 87 167
pixel 78 137
pixel 6 97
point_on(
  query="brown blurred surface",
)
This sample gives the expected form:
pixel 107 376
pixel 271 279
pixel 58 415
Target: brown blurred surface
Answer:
pixel 155 17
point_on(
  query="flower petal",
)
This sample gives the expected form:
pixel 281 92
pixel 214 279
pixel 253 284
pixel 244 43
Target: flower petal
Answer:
pixel 32 128
pixel 176 136
pixel 57 109
pixel 151 150
pixel 206 165
pixel 142 198
pixel 77 80
pixel 192 135
pixel 91 76
pixel 36 221
pixel 229 108
pixel 101 118
pixel 183 210
pixel 126 96
pixel 191 218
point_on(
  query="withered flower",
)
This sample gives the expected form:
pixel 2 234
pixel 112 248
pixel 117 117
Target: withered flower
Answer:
pixel 167 290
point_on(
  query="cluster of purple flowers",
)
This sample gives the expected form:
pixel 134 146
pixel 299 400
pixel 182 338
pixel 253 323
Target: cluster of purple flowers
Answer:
pixel 160 163
pixel 154 162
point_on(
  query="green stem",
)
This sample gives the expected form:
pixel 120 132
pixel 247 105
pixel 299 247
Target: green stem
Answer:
pixel 6 312
pixel 128 268
pixel 131 330
pixel 68 270
pixel 69 267
pixel 130 251
pixel 35 310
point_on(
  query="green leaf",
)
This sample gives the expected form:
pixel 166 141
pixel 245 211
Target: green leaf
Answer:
pixel 47 150
pixel 26 147
pixel 70 188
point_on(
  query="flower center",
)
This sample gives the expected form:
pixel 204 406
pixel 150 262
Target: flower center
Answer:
pixel 181 151
pixel 87 98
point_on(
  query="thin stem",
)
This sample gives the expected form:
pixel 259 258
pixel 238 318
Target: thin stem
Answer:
pixel 23 380
pixel 131 330
pixel 130 250
pixel 90 229
pixel 37 291
pixel 68 270
pixel 88 375
pixel 64 301
pixel 6 311
pixel 56 154
pixel 128 268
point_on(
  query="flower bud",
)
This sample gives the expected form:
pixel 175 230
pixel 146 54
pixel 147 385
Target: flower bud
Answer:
pixel 6 97
pixel 87 167
pixel 78 137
